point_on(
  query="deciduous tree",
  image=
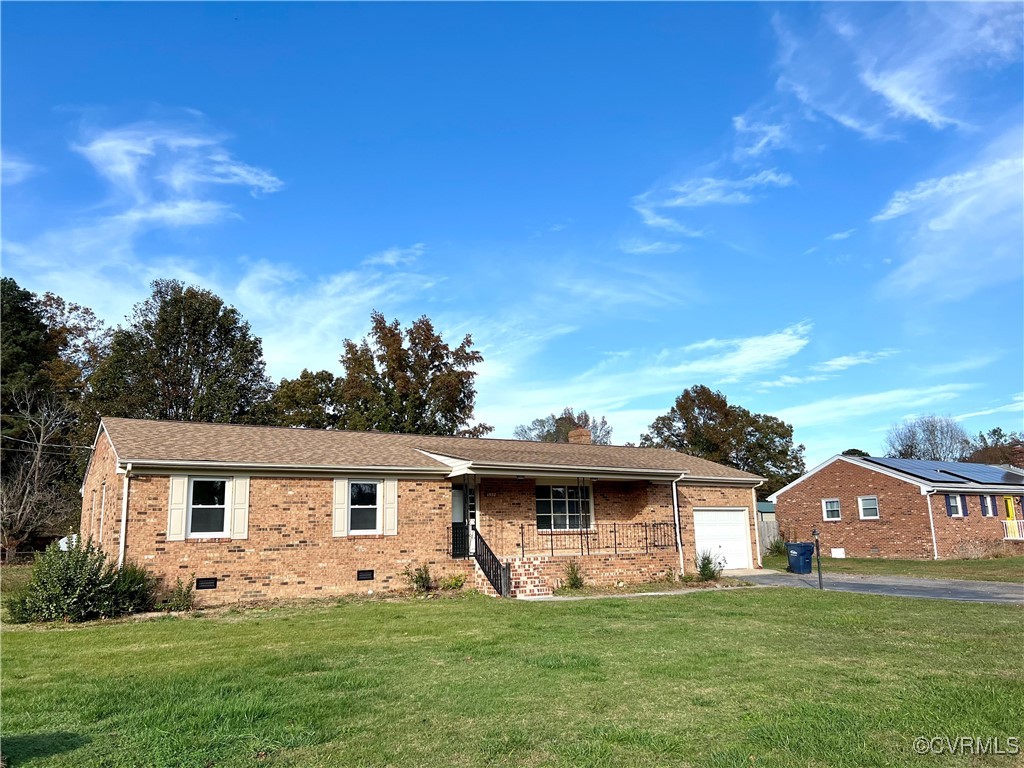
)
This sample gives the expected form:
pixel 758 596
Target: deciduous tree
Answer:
pixel 997 447
pixel 556 429
pixel 931 438
pixel 185 356
pixel 408 380
pixel 702 423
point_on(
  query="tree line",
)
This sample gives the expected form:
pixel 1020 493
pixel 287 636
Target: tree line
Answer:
pixel 184 354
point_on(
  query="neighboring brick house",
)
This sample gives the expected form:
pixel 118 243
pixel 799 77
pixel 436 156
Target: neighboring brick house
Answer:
pixel 266 512
pixel 903 508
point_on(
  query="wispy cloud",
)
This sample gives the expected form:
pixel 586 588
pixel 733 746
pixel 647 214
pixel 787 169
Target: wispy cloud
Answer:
pixel 837 410
pixel 849 361
pixel 708 190
pixel 755 138
pixel 871 72
pixel 395 256
pixel 15 170
pixel 959 366
pixel 644 247
pixel 791 381
pixel 841 235
pixel 1016 406
pixel 960 231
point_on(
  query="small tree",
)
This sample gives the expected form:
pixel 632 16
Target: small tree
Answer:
pixel 556 429
pixel 931 438
pixel 33 495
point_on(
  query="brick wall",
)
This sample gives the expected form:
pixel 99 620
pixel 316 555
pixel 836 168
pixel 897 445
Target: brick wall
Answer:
pixel 698 496
pixel 101 499
pixel 290 550
pixel 903 529
pixel 961 537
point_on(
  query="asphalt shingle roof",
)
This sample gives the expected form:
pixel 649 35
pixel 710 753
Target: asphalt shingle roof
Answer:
pixel 176 441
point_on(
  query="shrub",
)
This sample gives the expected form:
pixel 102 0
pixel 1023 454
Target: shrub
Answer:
pixel 183 596
pixel 79 584
pixel 709 567
pixel 777 547
pixel 573 575
pixel 134 591
pixel 419 579
pixel 453 583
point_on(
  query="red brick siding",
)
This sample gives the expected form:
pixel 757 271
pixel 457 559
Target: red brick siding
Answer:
pixel 290 550
pixel 902 530
pixel 99 507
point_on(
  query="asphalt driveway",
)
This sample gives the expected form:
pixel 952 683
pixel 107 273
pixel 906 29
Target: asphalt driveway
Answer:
pixel 897 586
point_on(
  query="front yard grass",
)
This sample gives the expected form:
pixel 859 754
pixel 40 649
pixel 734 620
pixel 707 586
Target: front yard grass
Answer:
pixel 765 677
pixel 992 569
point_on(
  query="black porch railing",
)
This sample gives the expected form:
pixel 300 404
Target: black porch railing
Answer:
pixel 458 540
pixel 599 539
pixel 498 573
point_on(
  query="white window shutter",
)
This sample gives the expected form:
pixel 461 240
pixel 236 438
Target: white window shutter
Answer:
pixel 177 507
pixel 390 507
pixel 340 507
pixel 240 508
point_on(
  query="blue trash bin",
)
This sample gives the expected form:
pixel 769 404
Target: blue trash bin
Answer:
pixel 800 556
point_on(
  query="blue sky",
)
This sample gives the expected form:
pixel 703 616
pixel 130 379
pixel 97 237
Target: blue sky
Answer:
pixel 815 209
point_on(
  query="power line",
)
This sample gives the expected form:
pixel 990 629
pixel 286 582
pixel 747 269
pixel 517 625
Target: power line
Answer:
pixel 46 445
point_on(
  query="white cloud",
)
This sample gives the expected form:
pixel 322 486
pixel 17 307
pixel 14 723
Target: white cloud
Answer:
pixel 755 138
pixel 932 191
pixel 395 256
pixel 15 170
pixel 791 381
pixel 960 231
pixel 1016 406
pixel 840 410
pixel 656 220
pixel 841 235
pixel 643 247
pixel 849 361
pixel 710 191
pixel 959 366
pixel 872 71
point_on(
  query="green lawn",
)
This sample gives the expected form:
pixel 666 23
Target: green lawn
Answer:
pixel 994 569
pixel 14 577
pixel 753 677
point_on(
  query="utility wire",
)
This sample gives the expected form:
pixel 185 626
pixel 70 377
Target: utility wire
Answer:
pixel 47 445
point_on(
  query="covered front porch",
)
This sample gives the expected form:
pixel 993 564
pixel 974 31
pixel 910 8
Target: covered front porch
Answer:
pixel 523 529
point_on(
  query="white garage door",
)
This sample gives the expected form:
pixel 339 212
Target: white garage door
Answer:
pixel 726 533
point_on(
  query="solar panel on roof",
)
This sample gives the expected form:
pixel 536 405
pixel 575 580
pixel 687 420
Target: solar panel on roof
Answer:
pixel 952 472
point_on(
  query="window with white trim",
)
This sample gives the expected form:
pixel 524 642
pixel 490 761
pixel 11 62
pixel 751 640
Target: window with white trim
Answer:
pixel 208 508
pixel 364 506
pixel 988 508
pixel 563 507
pixel 830 509
pixel 953 505
pixel 868 507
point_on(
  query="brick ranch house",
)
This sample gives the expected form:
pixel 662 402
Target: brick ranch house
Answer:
pixel 267 512
pixel 904 508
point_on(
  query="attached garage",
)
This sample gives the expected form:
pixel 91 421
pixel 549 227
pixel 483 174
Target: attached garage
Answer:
pixel 725 533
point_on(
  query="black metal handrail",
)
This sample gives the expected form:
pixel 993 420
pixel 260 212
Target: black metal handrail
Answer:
pixel 458 540
pixel 498 573
pixel 599 539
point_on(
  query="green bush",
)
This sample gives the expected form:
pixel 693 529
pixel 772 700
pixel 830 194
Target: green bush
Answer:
pixel 79 584
pixel 573 575
pixel 709 567
pixel 419 579
pixel 183 596
pixel 453 583
pixel 777 547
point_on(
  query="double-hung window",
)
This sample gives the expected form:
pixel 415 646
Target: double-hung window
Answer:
pixel 830 509
pixel 563 507
pixel 988 506
pixel 208 508
pixel 364 506
pixel 953 506
pixel 868 507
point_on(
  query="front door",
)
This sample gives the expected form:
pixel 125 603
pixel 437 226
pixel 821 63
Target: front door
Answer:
pixel 463 520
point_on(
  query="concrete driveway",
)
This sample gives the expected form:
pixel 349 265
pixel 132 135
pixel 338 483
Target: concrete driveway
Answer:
pixel 896 586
